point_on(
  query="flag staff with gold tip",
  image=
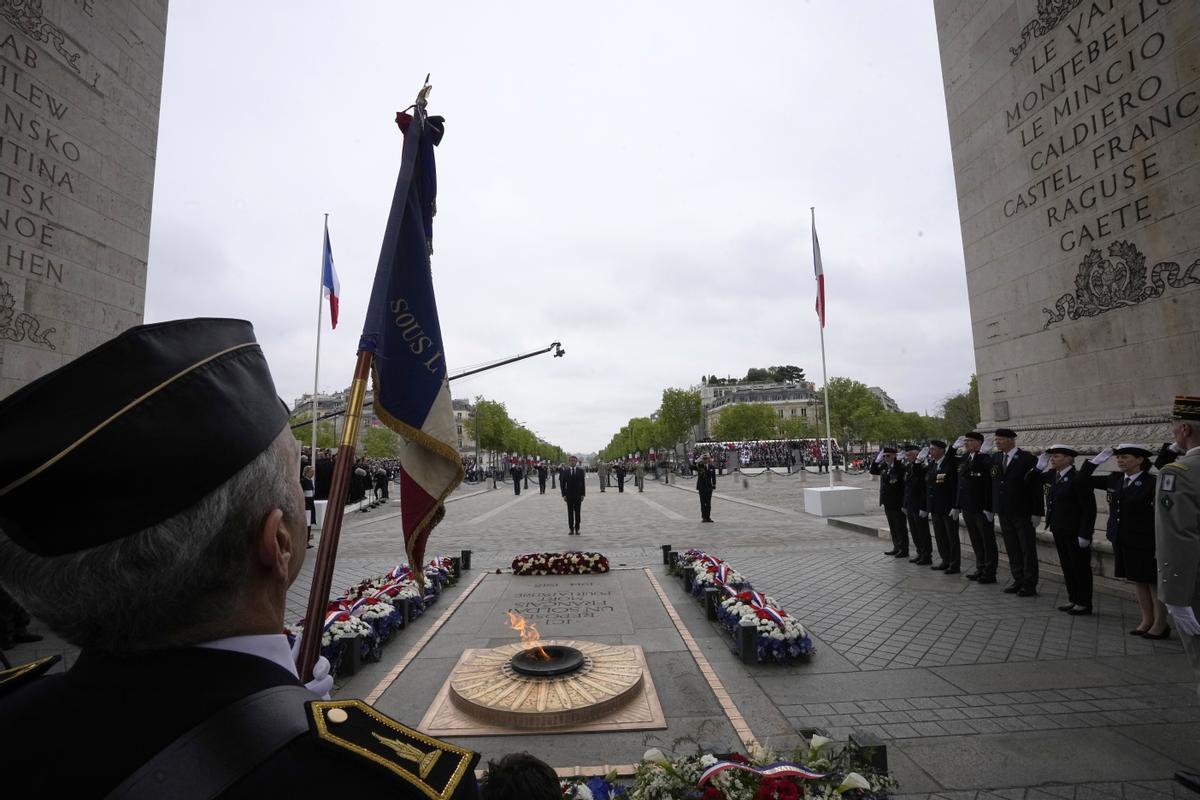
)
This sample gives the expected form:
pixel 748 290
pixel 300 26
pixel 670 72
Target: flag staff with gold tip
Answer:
pixel 820 275
pixel 330 287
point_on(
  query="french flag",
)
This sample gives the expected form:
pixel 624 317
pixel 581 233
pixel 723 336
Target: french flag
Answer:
pixel 331 287
pixel 820 271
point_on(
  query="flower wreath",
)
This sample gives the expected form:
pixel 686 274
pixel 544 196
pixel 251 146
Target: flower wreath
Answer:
pixel 569 563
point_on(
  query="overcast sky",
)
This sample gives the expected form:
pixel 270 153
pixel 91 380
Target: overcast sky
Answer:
pixel 633 179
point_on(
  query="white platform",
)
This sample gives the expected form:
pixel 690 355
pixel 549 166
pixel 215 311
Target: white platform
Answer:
pixel 319 507
pixel 834 501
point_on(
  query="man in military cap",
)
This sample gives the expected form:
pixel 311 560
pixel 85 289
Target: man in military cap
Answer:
pixel 1016 503
pixel 914 504
pixel 1071 518
pixel 941 501
pixel 1177 538
pixel 175 590
pixel 891 497
pixel 975 503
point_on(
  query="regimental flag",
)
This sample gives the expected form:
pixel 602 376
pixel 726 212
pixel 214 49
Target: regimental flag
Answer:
pixel 820 271
pixel 412 395
pixel 331 287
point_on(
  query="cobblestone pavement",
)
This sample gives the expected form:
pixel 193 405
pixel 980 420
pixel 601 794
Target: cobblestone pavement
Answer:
pixel 978 694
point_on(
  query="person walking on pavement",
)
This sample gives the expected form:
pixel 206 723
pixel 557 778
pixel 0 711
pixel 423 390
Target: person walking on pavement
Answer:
pixel 542 474
pixel 941 501
pixel 1129 492
pixel 620 476
pixel 914 504
pixel 639 475
pixel 574 487
pixel 706 484
pixel 516 472
pixel 891 497
pixel 1071 517
pixel 1017 506
pixel 975 503
pixel 1177 536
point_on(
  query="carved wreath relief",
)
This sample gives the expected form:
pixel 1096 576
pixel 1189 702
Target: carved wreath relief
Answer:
pixel 18 327
pixel 1106 284
pixel 1050 14
pixel 27 16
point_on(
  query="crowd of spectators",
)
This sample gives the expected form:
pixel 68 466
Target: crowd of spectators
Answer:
pixel 789 453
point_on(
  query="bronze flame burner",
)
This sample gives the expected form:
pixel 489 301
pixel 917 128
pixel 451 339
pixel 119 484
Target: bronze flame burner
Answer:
pixel 563 661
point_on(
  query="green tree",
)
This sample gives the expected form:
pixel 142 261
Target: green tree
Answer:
pixel 490 426
pixel 961 411
pixel 326 436
pixel 742 421
pixel 380 442
pixel 757 375
pixel 854 413
pixel 796 428
pixel 678 414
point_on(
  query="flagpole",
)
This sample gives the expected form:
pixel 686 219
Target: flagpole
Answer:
pixel 824 373
pixel 312 457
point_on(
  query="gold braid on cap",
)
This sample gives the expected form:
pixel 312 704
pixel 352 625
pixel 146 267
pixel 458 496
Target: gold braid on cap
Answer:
pixel 1186 407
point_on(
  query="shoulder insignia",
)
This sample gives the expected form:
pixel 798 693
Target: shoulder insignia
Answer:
pixel 1175 465
pixel 15 678
pixel 434 767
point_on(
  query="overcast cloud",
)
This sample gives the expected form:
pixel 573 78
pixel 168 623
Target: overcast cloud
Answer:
pixel 633 179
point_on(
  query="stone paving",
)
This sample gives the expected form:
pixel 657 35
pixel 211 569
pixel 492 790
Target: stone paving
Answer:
pixel 977 693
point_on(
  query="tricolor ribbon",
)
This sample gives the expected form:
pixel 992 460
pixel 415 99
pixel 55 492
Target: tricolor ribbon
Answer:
pixel 780 769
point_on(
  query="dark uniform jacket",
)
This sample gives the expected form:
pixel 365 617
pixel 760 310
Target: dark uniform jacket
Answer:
pixel 1069 501
pixel 1012 495
pixel 914 487
pixel 706 478
pixel 572 483
pixel 79 734
pixel 941 482
pixel 1130 510
pixel 891 483
pixel 975 483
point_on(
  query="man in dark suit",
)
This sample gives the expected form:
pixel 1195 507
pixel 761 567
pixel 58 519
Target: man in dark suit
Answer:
pixel 1071 518
pixel 706 484
pixel 573 491
pixel 891 497
pixel 516 473
pixel 620 470
pixel 975 502
pixel 914 504
pixel 1016 504
pixel 941 501
pixel 177 693
pixel 542 473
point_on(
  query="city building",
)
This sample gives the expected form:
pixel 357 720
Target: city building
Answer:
pixel 789 400
pixel 884 397
pixel 463 411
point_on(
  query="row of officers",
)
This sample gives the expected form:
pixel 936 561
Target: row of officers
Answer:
pixel 928 492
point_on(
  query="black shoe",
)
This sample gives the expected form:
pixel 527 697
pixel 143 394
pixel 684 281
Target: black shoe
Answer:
pixel 902 555
pixel 1026 592
pixel 1067 607
pixel 953 571
pixel 25 637
pixel 1086 611
pixel 706 520
pixel 1012 589
pixel 923 562
pixel 940 565
pixel 891 552
pixel 986 579
pixel 972 576
pixel 1136 632
pixel 1189 779
pixel 914 559
pixel 1166 634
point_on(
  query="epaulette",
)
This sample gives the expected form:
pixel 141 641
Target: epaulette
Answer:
pixel 15 678
pixel 436 768
pixel 1175 465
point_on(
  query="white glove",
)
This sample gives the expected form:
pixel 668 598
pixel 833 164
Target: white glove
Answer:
pixel 1101 457
pixel 322 682
pixel 989 442
pixel 924 515
pixel 959 442
pixel 921 455
pixel 989 516
pixel 879 457
pixel 1177 448
pixel 955 514
pixel 1036 520
pixel 1043 462
pixel 1185 619
pixel 1084 544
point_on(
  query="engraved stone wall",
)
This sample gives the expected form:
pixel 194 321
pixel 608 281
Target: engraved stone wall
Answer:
pixel 1077 161
pixel 80 83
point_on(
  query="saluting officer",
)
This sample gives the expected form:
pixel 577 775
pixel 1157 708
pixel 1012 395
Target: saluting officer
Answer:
pixel 706 484
pixel 1016 504
pixel 975 502
pixel 914 504
pixel 891 497
pixel 175 591
pixel 1071 518
pixel 941 500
